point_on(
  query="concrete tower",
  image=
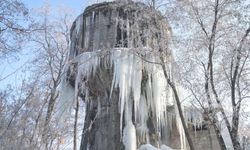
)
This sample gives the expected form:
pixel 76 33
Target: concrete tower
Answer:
pixel 128 103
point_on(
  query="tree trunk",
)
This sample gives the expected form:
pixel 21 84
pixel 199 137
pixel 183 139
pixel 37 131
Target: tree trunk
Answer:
pixel 75 124
pixel 178 103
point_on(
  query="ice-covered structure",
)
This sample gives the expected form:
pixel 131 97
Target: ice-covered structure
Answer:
pixel 114 67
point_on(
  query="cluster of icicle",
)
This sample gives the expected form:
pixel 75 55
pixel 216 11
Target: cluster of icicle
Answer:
pixel 128 77
pixel 195 117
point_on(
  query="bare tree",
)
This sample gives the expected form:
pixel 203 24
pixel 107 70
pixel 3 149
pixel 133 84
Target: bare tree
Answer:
pixel 218 35
pixel 53 43
pixel 34 116
pixel 14 24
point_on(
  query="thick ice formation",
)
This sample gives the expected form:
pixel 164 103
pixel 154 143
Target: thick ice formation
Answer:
pixel 66 98
pixel 129 136
pixel 194 117
pixel 142 89
pixel 128 72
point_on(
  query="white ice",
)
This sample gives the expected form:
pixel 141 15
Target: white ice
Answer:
pixel 128 75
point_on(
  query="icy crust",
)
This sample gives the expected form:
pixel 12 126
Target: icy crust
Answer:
pixel 142 89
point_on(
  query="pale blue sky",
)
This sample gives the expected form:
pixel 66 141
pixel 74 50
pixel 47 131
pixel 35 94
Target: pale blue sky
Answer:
pixel 12 65
pixel 77 5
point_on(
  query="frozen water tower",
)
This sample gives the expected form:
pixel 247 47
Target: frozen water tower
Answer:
pixel 128 103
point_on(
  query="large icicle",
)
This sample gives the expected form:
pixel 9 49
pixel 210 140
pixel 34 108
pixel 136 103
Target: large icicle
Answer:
pixel 66 98
pixel 87 63
pixel 128 77
pixel 142 119
pixel 129 136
